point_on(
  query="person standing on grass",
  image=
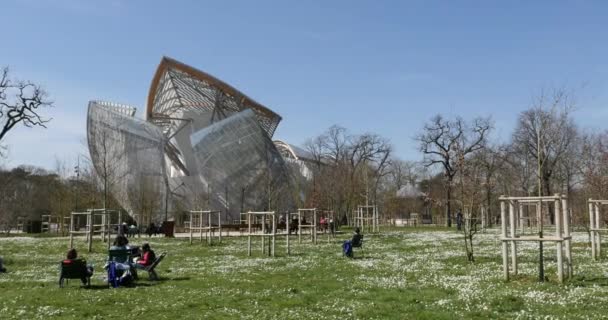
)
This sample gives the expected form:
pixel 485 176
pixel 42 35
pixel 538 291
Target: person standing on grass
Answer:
pixel 459 220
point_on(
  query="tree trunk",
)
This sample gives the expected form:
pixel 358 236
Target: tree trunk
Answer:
pixel 547 191
pixel 448 197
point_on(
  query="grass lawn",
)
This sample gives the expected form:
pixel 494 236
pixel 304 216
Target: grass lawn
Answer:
pixel 400 274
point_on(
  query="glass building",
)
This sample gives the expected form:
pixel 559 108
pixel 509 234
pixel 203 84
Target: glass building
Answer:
pixel 203 146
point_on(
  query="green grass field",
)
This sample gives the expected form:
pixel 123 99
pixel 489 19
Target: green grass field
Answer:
pixel 400 274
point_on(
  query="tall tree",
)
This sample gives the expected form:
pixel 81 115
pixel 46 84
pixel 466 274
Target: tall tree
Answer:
pixel 444 142
pixel 545 134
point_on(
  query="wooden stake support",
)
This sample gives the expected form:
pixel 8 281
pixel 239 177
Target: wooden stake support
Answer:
pixel 562 237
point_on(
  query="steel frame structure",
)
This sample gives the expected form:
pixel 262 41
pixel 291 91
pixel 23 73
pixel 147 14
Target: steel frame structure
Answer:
pixel 200 133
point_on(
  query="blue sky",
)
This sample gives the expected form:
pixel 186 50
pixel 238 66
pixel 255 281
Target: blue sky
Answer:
pixel 370 66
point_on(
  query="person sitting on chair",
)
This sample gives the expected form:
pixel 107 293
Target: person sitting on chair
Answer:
pixel 147 258
pixel 355 242
pixel 120 243
pixel 357 239
pixel 71 257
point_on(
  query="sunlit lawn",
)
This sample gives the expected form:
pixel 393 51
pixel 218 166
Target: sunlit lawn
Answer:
pixel 400 274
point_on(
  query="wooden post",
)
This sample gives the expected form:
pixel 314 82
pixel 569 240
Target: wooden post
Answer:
pixel 263 234
pixel 513 223
pixel 591 206
pixel 190 226
pixel 559 245
pixel 568 248
pixel 249 234
pixel 287 231
pixel 505 248
pixel 274 231
pixel 598 236
pixel 109 228
pixel 378 219
pixel 90 230
pixel 119 229
pixel 103 226
pixel 200 225
pixel 314 226
pixel 520 213
pixel 299 226
pixel 209 228
pixel 219 224
pixel 71 230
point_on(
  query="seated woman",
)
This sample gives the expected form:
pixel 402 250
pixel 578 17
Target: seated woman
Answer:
pixel 147 259
pixel 71 257
pixel 355 242
pixel 121 243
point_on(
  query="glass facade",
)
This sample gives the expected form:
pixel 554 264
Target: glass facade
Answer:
pixel 203 145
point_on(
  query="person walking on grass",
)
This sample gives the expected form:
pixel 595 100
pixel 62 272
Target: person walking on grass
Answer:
pixel 459 220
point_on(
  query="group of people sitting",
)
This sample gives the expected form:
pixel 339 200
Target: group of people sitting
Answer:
pixel 137 259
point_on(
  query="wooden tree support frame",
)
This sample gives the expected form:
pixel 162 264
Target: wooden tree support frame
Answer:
pixel 562 237
pixel 265 216
pixel 198 223
pixel 330 227
pixel 99 221
pixel 367 216
pixel 48 220
pixel 311 224
pixel 595 227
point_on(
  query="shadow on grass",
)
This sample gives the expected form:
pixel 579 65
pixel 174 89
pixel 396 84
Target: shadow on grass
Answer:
pixel 131 285
pixel 172 279
pixel 582 281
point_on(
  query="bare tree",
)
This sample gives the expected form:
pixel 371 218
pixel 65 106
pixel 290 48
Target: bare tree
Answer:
pixel 544 134
pixel 445 142
pixel 20 102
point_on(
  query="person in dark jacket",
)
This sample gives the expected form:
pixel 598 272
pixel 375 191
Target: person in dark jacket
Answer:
pixel 72 257
pixel 355 242
pixel 459 220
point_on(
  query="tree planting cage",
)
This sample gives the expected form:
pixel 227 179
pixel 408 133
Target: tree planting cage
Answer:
pixel 367 217
pixel 98 221
pixel 561 237
pixel 310 214
pixel 202 221
pixel 331 223
pixel 52 223
pixel 271 234
pixel 595 226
